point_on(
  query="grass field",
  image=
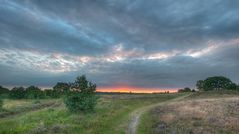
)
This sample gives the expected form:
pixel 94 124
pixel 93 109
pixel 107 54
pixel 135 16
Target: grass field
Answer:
pixel 183 113
pixel 200 113
pixel 111 115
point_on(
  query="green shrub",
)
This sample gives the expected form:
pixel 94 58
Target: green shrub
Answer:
pixel 83 98
pixel 81 102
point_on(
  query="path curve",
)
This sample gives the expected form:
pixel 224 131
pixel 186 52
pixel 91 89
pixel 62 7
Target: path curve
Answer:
pixel 135 116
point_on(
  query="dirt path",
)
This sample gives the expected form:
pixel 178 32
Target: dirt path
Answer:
pixel 135 116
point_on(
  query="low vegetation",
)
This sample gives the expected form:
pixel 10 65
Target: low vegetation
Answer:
pixel 111 115
pixel 75 107
pixel 199 113
pixel 83 97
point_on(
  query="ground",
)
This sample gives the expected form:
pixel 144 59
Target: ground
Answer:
pixel 201 113
pixel 111 115
pixel 126 113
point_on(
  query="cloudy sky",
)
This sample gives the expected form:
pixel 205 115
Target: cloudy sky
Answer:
pixel 157 44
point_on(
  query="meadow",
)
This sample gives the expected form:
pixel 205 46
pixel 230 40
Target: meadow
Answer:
pixel 111 115
pixel 183 113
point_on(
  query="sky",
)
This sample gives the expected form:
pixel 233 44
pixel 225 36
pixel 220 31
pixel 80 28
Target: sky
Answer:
pixel 136 45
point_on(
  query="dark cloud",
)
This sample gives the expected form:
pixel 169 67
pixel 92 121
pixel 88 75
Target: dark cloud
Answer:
pixel 167 44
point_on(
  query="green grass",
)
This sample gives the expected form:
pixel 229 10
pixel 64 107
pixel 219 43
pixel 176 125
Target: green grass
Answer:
pixel 110 116
pixel 146 123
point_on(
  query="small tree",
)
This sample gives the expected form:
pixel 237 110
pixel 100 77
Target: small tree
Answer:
pixel 4 92
pixel 33 92
pixel 186 89
pixel 17 93
pixel 61 86
pixel 199 85
pixel 83 97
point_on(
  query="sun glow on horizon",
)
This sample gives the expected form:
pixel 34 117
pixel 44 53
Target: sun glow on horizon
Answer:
pixel 135 90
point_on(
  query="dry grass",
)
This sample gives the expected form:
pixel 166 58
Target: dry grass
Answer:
pixel 206 116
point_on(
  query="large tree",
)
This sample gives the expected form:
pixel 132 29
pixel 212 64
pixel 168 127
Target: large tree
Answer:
pixel 216 83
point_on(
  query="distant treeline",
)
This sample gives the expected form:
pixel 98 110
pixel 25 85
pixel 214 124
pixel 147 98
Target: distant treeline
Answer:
pixel 34 92
pixel 213 83
pixel 78 95
pixel 31 92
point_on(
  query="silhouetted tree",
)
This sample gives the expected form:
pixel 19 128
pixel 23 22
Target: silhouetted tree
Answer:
pixel 216 83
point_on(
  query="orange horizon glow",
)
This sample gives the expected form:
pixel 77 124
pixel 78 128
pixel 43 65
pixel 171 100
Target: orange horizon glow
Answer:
pixel 135 90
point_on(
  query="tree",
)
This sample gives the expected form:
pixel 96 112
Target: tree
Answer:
pixel 216 83
pixel 33 92
pixel 17 93
pixel 186 89
pixel 233 86
pixel 3 90
pixel 61 86
pixel 83 97
pixel 199 85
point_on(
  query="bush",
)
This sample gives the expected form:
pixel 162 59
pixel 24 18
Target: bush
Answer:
pixel 83 98
pixel 81 102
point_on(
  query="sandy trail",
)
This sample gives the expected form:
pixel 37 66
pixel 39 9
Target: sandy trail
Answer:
pixel 135 116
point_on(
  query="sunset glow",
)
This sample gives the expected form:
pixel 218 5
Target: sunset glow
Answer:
pixel 134 90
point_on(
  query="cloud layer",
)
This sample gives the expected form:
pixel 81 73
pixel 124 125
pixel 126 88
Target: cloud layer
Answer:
pixel 156 44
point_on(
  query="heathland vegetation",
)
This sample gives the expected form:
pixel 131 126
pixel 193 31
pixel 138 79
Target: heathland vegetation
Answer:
pixel 76 107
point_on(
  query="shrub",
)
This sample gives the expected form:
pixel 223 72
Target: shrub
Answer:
pixel 81 102
pixel 83 98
